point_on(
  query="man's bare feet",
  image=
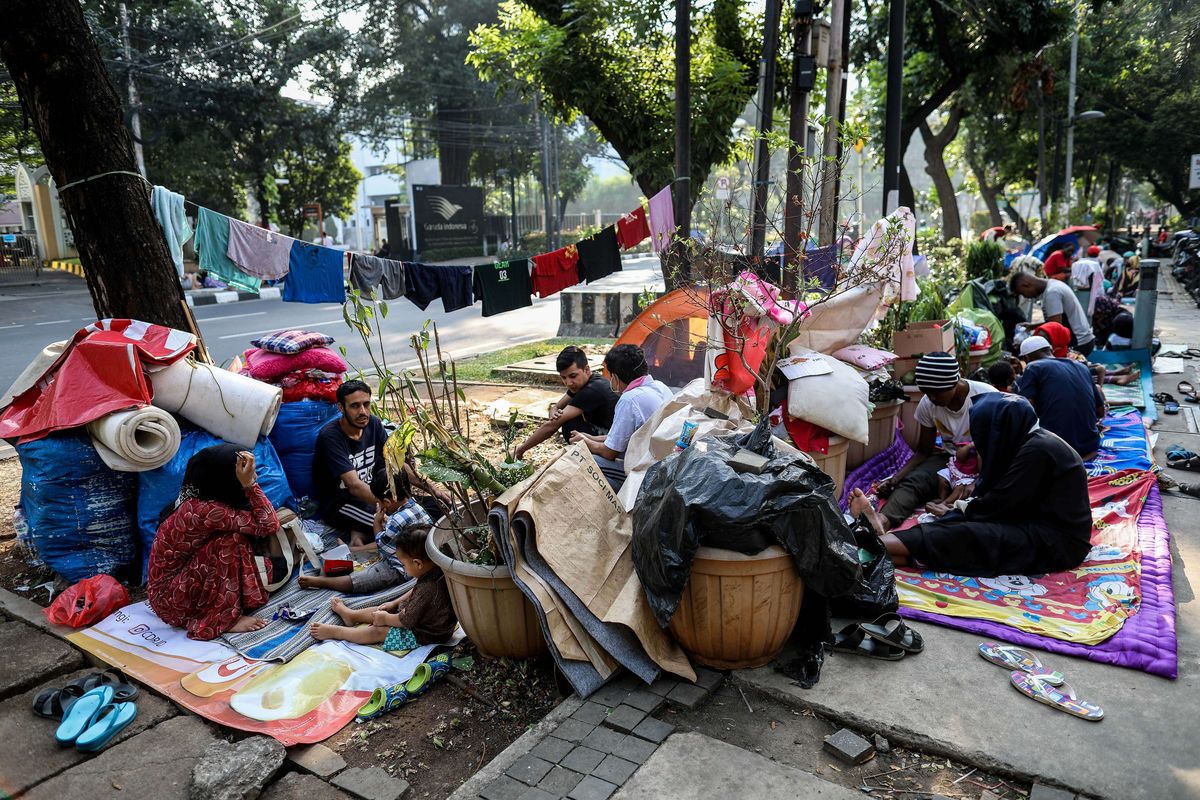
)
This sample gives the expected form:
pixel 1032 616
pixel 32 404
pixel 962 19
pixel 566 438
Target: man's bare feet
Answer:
pixel 321 631
pixel 861 504
pixel 246 624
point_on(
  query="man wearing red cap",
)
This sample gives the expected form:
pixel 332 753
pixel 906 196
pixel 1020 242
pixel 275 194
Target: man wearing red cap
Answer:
pixel 1087 279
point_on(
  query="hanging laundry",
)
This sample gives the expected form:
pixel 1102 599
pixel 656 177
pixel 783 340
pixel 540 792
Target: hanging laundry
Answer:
pixel 821 265
pixel 662 219
pixel 632 228
pixel 212 246
pixel 457 289
pixel 369 272
pixel 599 256
pixel 259 252
pixel 421 285
pixel 316 275
pixel 553 272
pixel 503 286
pixel 168 209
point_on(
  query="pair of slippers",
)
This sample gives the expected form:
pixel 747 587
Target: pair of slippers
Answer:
pixel 1032 679
pixel 1178 457
pixel 1170 404
pixel 388 698
pixel 92 710
pixel 888 638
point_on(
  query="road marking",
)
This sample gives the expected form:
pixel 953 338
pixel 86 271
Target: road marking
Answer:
pixel 17 325
pixel 52 322
pixel 297 326
pixel 231 316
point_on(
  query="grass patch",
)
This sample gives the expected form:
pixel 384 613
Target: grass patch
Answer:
pixel 479 368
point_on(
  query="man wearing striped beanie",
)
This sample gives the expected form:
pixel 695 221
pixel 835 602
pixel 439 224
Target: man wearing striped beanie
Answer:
pixel 944 418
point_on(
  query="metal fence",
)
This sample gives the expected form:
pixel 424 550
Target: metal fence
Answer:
pixel 19 262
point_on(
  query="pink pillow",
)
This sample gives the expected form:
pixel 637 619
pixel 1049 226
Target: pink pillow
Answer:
pixel 266 366
pixel 865 357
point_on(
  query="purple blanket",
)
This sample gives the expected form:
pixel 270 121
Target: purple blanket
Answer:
pixel 1147 641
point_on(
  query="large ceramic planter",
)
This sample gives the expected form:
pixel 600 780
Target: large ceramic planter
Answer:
pixel 737 611
pixel 495 614
pixel 833 463
pixel 882 433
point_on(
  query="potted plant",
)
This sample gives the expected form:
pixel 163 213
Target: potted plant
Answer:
pixel 434 430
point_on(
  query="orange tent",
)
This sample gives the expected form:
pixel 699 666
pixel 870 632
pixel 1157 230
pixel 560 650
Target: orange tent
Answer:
pixel 673 333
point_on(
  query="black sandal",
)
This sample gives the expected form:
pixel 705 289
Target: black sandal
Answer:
pixel 54 703
pixel 123 689
pixel 854 640
pixel 1189 393
pixel 890 629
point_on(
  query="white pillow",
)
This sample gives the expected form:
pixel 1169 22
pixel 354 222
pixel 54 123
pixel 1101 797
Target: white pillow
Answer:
pixel 838 401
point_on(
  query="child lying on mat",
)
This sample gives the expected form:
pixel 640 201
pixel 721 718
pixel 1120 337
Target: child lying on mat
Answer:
pixel 392 519
pixel 420 616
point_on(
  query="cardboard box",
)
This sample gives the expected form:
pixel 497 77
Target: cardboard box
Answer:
pixel 924 337
pixel 902 366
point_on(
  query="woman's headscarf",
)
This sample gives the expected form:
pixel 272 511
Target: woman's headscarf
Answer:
pixel 1000 424
pixel 1059 337
pixel 211 475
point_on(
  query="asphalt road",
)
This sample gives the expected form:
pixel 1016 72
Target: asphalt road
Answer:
pixel 33 316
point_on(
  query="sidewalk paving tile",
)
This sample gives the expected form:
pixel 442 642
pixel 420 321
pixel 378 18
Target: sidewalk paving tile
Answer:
pixel 653 730
pixel 615 770
pixel 156 764
pixel 529 769
pixel 603 739
pixel 582 759
pixel 644 700
pixel 708 679
pixel 298 786
pixel 591 713
pixel 534 793
pixel 35 656
pixel 552 749
pixel 372 783
pixel 560 781
pixel 503 788
pixel 663 686
pixel 592 788
pixel 317 759
pixel 30 755
pixel 634 749
pixel 573 730
pixel 687 695
pixel 1041 791
pixel 624 718
pixel 609 695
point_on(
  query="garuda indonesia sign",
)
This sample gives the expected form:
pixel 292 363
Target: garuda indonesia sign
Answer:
pixel 448 216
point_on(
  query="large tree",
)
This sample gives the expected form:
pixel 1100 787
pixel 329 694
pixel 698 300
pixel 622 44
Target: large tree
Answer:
pixel 74 109
pixel 613 62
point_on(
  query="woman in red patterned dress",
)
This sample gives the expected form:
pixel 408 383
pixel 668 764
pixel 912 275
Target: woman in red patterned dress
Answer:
pixel 202 572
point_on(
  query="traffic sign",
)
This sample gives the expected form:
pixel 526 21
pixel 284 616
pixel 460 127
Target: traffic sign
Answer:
pixel 1194 175
pixel 723 192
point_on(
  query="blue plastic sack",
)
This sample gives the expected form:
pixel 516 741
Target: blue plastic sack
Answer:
pixel 295 438
pixel 158 487
pixel 81 514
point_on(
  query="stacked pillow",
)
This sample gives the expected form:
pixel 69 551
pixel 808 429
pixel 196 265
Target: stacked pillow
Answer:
pixel 298 361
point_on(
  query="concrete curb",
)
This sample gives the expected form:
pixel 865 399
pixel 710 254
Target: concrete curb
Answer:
pixel 221 298
pixel 470 788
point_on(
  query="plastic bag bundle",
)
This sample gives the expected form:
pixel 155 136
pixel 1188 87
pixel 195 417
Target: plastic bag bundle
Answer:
pixel 695 498
pixel 295 439
pixel 88 602
pixel 81 514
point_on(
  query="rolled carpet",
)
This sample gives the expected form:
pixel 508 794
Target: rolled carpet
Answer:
pixel 232 407
pixel 137 440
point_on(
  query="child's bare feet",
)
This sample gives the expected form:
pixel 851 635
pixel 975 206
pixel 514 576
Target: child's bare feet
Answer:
pixel 246 624
pixel 321 631
pixel 349 615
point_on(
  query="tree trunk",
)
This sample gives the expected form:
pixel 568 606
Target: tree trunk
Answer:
pixel 935 165
pixel 65 90
pixel 908 197
pixel 986 190
pixel 1022 225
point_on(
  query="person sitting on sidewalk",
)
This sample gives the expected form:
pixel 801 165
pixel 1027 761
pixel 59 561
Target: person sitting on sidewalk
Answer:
pixel 586 407
pixel 392 519
pixel 944 411
pixel 1060 305
pixel 641 396
pixel 1062 392
pixel 421 616
pixel 1029 513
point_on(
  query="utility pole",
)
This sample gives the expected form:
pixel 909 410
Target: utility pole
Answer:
pixel 682 188
pixel 803 76
pixel 1070 193
pixel 542 127
pixel 833 105
pixel 135 120
pixel 892 156
pixel 841 115
pixel 766 109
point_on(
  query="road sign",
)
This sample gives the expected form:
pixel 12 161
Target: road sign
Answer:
pixel 10 238
pixel 1194 175
pixel 723 192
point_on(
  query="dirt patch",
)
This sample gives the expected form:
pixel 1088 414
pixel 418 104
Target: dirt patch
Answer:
pixel 757 722
pixel 443 737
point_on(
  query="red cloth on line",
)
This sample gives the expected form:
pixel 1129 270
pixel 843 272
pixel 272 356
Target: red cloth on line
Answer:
pixel 202 573
pixel 553 272
pixel 99 372
pixel 633 228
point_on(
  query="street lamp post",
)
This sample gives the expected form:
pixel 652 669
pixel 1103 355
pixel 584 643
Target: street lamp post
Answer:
pixel 1072 119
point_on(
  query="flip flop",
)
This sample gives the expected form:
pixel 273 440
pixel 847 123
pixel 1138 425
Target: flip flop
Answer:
pixel 82 714
pixel 54 703
pixel 1180 458
pixel 890 629
pixel 1061 697
pixel 854 640
pixel 1019 658
pixel 111 720
pixel 389 698
pixel 1169 404
pixel 1189 393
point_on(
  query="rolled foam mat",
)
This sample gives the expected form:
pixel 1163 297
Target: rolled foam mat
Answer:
pixel 137 440
pixel 232 407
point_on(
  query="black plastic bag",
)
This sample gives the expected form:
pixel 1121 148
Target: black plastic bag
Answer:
pixel 877 592
pixel 695 498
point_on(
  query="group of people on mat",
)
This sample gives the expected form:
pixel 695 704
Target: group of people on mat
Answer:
pixel 203 574
pixel 998 472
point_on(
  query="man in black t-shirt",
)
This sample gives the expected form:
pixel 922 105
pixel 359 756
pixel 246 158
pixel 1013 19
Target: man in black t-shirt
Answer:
pixel 349 455
pixel 586 407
